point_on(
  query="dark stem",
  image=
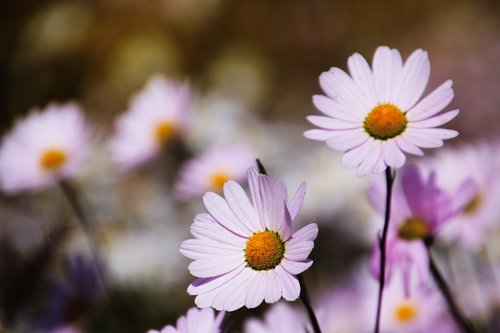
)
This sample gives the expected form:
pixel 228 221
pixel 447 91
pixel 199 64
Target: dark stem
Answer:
pixel 304 296
pixel 389 180
pixel 72 196
pixel 461 320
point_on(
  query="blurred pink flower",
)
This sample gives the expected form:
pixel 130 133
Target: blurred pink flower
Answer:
pixel 195 321
pixel 480 162
pixel 158 113
pixel 46 146
pixel 419 209
pixel 281 317
pixel 244 251
pixel 212 169
pixel 375 115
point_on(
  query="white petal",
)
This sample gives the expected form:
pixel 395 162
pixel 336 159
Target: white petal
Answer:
pixel 332 123
pixel 233 297
pixel 298 251
pixel 204 285
pixel 371 159
pixel 316 134
pixel 408 147
pixel 205 227
pixel 296 204
pixel 307 233
pixel 214 266
pixel 219 209
pixel 274 288
pixel 256 290
pixel 291 286
pixel 435 121
pixel 333 109
pixel 414 79
pixel 432 103
pixel 241 206
pixel 204 248
pixel 387 68
pixel 393 157
pixel 363 77
pixel 295 267
pixel 340 87
pixel 347 139
pixel 355 156
pixel 420 140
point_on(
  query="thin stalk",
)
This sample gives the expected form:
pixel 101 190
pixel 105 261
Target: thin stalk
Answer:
pixel 389 180
pixel 459 317
pixel 304 296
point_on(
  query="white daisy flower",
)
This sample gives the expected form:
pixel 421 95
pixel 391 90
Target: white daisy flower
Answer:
pixel 244 251
pixel 156 115
pixel 46 146
pixel 375 115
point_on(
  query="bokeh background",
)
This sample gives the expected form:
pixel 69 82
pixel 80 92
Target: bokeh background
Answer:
pixel 255 65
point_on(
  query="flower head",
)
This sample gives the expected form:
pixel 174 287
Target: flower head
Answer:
pixel 375 115
pixel 195 321
pixel 244 251
pixel 281 317
pixel 46 146
pixel 419 211
pixel 211 170
pixel 156 115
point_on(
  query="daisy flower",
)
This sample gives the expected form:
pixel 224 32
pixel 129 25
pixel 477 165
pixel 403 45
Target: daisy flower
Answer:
pixel 480 162
pixel 46 146
pixel 244 251
pixel 281 317
pixel 375 115
pixel 156 115
pixel 195 321
pixel 212 169
pixel 419 210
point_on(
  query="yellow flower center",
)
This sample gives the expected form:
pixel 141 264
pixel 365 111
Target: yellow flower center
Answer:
pixel 385 121
pixel 413 228
pixel 473 205
pixel 218 180
pixel 164 131
pixel 53 159
pixel 264 250
pixel 405 312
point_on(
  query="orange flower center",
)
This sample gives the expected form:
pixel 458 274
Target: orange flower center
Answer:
pixel 218 180
pixel 473 205
pixel 264 250
pixel 164 131
pixel 385 121
pixel 406 312
pixel 52 159
pixel 413 228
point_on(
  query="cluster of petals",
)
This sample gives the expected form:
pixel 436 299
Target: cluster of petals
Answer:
pixel 214 167
pixel 60 132
pixel 481 162
pixel 281 317
pixel 376 115
pixel 226 279
pixel 160 112
pixel 195 321
pixel 419 210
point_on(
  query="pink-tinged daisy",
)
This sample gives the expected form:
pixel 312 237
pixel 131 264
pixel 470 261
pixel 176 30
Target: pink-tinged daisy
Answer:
pixel 156 115
pixel 281 317
pixel 375 115
pixel 195 321
pixel 419 210
pixel 212 169
pixel 46 146
pixel 244 251
pixel 481 162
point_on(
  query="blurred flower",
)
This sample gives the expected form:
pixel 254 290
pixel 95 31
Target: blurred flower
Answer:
pixel 374 116
pixel 70 300
pixel 159 113
pixel 281 317
pixel 195 321
pixel 212 169
pixel 480 162
pixel 46 146
pixel 244 252
pixel 419 210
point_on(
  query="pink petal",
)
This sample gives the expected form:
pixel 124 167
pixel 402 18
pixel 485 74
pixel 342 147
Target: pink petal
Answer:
pixel 213 266
pixel 241 206
pixel 316 134
pixel 355 156
pixel 340 87
pixel 256 290
pixel 291 286
pixel 296 204
pixel 347 139
pixel 387 69
pixel 371 159
pixel 204 285
pixel 335 110
pixel 219 209
pixel 435 121
pixel 307 233
pixel 393 157
pixel 204 248
pixel 432 103
pixel 298 250
pixel 363 77
pixel 232 297
pixel 332 123
pixel 421 140
pixel 414 79
pixel 408 147
pixel 205 227
pixel 274 288
pixel 295 267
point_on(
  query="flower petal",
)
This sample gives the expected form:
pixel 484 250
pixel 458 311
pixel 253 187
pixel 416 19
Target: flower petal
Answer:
pixel 291 286
pixel 335 110
pixel 354 157
pixel 296 267
pixel 393 157
pixel 371 159
pixel 387 69
pixel 346 139
pixel 241 206
pixel 213 266
pixel 332 123
pixel 222 213
pixel 296 204
pixel 256 290
pixel 435 121
pixel 432 103
pixel 414 79
pixel 363 77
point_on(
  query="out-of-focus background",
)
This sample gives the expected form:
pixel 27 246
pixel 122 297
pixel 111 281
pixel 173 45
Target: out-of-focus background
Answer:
pixel 254 65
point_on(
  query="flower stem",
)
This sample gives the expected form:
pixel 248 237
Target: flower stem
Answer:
pixel 304 296
pixel 74 201
pixel 389 178
pixel 459 317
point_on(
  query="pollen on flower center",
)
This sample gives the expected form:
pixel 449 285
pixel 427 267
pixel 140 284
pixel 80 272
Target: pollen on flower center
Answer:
pixel 52 159
pixel 164 131
pixel 385 121
pixel 218 180
pixel 413 228
pixel 264 250
pixel 405 313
